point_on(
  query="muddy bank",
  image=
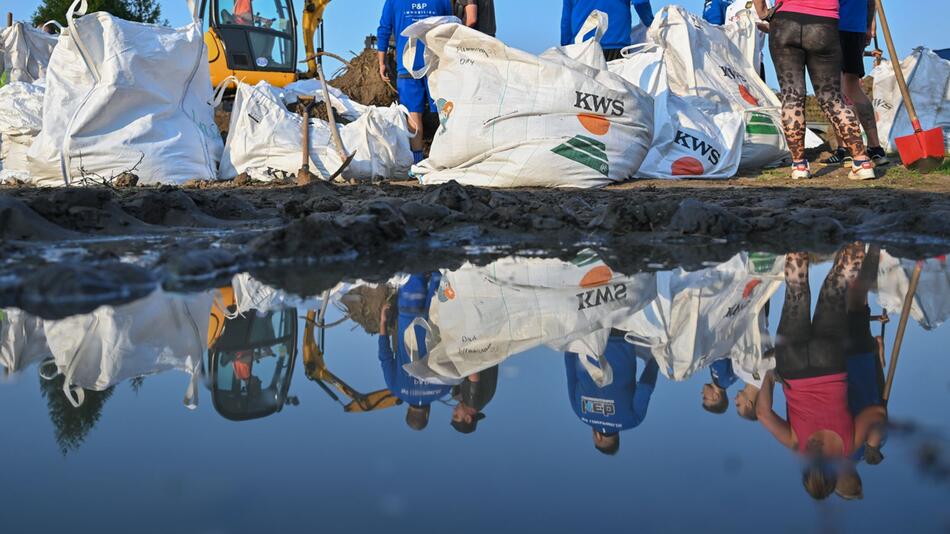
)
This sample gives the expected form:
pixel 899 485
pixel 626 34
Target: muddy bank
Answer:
pixel 305 239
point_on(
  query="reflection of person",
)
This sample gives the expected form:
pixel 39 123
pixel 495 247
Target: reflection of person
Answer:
pixel 714 11
pixel 414 94
pixel 619 19
pixel 811 359
pixel 244 12
pixel 475 392
pixel 620 405
pixel 804 34
pixel 412 301
pixel 477 14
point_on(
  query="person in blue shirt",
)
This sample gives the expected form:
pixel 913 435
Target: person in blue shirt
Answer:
pixel 620 405
pixel 856 29
pixel 414 94
pixel 620 21
pixel 714 11
pixel 474 394
pixel 412 301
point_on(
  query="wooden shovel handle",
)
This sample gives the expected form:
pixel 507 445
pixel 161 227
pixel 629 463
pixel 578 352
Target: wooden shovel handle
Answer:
pixel 896 63
pixel 901 328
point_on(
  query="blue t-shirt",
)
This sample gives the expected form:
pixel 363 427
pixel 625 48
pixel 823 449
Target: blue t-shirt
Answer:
pixel 722 373
pixel 399 15
pixel 714 11
pixel 619 18
pixel 414 298
pixel 854 16
pixel 620 405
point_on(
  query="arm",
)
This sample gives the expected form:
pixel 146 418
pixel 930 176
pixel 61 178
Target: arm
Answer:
pixel 471 15
pixel 761 8
pixel 566 14
pixel 777 426
pixel 570 364
pixel 872 22
pixel 645 11
pixel 868 425
pixel 387 360
pixel 645 387
pixel 383 34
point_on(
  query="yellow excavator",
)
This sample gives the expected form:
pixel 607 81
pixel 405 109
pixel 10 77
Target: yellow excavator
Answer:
pixel 251 360
pixel 256 40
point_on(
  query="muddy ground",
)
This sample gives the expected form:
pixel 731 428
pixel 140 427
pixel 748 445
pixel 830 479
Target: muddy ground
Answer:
pixel 65 251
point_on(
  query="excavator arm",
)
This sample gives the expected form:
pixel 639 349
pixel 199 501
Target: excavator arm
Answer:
pixel 312 18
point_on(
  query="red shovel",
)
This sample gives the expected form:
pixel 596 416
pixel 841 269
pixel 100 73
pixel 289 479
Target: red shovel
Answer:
pixel 923 151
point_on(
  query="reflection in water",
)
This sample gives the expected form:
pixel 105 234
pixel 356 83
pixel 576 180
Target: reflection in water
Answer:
pixel 441 337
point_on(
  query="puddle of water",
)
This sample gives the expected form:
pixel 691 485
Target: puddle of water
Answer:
pixel 299 410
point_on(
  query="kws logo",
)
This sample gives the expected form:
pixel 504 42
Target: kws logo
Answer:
pixel 598 104
pixel 698 146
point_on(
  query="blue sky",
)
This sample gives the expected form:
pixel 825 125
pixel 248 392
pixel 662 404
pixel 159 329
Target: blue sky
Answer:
pixel 534 25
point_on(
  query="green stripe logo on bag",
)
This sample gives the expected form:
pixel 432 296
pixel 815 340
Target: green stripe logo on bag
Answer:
pixel 760 124
pixel 586 151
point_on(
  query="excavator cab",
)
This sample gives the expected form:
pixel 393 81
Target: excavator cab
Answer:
pixel 251 360
pixel 253 40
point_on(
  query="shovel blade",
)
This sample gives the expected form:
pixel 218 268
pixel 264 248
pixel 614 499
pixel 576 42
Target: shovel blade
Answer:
pixel 923 151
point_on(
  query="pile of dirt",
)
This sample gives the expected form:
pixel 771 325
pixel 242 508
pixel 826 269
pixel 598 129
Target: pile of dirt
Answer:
pixel 362 83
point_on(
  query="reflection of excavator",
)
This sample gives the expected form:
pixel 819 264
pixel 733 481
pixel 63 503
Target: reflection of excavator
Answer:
pixel 316 369
pixel 251 359
pixel 256 40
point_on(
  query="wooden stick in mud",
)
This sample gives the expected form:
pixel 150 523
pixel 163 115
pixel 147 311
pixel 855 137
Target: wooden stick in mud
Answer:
pixel 303 175
pixel 901 328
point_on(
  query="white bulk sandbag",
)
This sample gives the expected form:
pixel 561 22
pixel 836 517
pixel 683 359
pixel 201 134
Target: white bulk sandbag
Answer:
pixel 159 333
pixel 513 119
pixel 25 52
pixel 928 77
pixel 122 95
pixel 345 106
pixel 22 340
pixel 264 136
pixel 693 142
pixel 764 143
pixel 702 61
pixel 748 38
pixel 715 313
pixel 931 306
pixel 21 117
pixel 483 315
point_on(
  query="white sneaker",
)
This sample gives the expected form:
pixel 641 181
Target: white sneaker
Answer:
pixel 862 170
pixel 801 170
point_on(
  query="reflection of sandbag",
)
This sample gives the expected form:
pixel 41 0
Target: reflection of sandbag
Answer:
pixel 264 136
pixel 928 76
pixel 586 128
pixel 715 313
pixel 931 306
pixel 25 52
pixel 122 95
pixel 21 118
pixel 22 340
pixel 159 333
pixel 483 315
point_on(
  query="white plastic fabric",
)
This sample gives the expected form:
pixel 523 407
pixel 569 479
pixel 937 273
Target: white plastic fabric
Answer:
pixel 513 119
pixel 715 313
pixel 931 306
pixel 159 333
pixel 703 61
pixel 121 96
pixel 265 137
pixel 928 77
pixel 22 341
pixel 21 117
pixel 747 37
pixel 483 315
pixel 26 52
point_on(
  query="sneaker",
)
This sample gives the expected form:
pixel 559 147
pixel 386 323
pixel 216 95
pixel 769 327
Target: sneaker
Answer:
pixel 801 170
pixel 862 170
pixel 878 156
pixel 839 156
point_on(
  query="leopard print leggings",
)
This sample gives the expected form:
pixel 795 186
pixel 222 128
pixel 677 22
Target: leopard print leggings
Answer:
pixel 798 41
pixel 809 347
